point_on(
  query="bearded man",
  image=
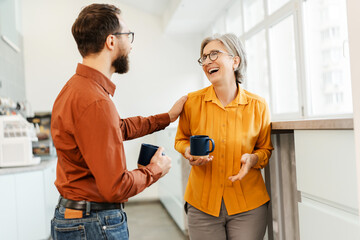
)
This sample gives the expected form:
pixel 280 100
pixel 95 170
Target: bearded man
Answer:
pixel 88 134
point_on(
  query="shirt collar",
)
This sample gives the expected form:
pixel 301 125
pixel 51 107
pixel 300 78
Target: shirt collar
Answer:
pixel 240 99
pixel 97 76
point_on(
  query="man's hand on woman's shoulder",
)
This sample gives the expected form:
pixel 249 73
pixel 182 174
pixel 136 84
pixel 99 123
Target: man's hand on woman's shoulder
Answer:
pixel 177 108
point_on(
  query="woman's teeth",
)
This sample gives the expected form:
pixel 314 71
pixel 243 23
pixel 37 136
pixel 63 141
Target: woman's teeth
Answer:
pixel 213 70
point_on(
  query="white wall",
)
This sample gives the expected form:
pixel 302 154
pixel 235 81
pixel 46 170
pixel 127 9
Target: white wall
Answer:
pixel 162 67
pixel 354 39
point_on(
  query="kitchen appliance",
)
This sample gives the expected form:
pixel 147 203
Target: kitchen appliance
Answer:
pixel 16 137
pixel 44 146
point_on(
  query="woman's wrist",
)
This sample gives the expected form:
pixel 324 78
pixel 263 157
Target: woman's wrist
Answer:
pixel 254 159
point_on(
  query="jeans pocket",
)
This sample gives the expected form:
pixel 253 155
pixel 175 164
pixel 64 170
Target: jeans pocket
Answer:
pixel 116 226
pixel 115 220
pixel 69 232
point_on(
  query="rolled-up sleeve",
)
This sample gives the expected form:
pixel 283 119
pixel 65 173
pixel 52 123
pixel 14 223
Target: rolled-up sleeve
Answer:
pixel 100 140
pixel 182 139
pixel 263 146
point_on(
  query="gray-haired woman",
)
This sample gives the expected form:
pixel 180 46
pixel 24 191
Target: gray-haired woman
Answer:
pixel 226 197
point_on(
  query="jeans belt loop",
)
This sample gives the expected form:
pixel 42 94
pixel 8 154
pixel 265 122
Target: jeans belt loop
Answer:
pixel 88 208
pixel 58 204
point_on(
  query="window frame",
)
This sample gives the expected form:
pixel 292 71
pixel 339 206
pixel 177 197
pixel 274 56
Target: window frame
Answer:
pixel 296 9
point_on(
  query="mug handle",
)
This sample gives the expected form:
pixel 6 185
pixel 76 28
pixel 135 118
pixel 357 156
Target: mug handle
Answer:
pixel 213 146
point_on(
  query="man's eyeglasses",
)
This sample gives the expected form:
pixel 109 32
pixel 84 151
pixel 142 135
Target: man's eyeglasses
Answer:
pixel 213 55
pixel 130 35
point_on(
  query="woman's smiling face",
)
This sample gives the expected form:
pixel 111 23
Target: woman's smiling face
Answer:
pixel 220 69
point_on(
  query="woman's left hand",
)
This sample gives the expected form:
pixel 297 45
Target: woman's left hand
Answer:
pixel 247 162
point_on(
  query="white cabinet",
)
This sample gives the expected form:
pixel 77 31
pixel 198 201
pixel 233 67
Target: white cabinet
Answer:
pixel 171 187
pixel 51 195
pixel 30 205
pixel 322 221
pixel 8 229
pixel 27 203
pixel 326 179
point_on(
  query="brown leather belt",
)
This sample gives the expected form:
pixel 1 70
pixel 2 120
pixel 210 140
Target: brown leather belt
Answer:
pixel 89 206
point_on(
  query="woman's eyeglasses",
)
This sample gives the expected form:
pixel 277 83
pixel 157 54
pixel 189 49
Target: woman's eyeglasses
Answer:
pixel 213 55
pixel 130 35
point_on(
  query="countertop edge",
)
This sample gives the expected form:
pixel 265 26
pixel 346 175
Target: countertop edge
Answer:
pixel 313 124
pixel 38 167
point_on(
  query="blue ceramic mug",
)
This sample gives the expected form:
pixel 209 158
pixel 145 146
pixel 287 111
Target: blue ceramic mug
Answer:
pixel 147 151
pixel 199 145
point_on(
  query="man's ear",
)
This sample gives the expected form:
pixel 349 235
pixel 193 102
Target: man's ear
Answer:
pixel 110 42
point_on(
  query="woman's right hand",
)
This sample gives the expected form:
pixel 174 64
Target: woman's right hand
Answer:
pixel 199 161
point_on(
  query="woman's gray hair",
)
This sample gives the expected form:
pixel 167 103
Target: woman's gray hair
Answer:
pixel 234 46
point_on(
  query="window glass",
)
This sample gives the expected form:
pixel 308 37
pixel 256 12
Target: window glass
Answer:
pixel 283 67
pixel 257 80
pixel 276 4
pixel 233 19
pixel 253 12
pixel 327 61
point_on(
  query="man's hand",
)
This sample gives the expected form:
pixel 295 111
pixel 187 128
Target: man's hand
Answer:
pixel 177 108
pixel 163 161
pixel 196 162
pixel 247 162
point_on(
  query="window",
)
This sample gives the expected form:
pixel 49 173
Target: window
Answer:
pixel 253 12
pixel 257 80
pixel 283 67
pixel 298 57
pixel 327 64
pixel 233 19
pixel 276 4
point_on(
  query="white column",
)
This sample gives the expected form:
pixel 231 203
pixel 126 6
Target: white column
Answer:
pixel 353 7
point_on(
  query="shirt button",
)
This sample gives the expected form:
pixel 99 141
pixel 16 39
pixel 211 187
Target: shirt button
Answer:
pixel 222 155
pixel 223 125
pixel 223 140
pixel 221 185
pixel 104 227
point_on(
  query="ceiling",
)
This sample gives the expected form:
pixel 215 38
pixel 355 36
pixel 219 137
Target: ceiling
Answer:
pixel 183 16
pixel 155 7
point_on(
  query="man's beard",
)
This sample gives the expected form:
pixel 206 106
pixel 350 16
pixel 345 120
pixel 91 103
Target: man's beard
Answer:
pixel 121 64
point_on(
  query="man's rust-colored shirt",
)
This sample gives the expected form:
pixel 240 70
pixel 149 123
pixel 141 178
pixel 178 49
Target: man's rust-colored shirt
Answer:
pixel 88 135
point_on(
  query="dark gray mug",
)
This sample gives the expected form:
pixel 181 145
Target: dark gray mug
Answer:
pixel 147 151
pixel 199 145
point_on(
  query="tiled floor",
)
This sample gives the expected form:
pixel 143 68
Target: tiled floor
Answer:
pixel 150 221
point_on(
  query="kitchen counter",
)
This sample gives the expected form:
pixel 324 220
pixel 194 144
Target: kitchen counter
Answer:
pixel 313 124
pixel 305 199
pixel 28 191
pixel 45 162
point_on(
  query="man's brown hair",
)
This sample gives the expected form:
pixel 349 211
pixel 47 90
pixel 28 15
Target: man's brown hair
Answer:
pixel 91 28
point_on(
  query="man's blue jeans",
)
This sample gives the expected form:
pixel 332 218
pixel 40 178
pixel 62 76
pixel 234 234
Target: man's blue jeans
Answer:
pixel 107 224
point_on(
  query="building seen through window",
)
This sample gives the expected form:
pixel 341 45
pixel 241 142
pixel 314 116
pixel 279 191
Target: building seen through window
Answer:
pixel 298 57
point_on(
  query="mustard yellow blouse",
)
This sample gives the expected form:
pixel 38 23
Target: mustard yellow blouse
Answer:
pixel 241 127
